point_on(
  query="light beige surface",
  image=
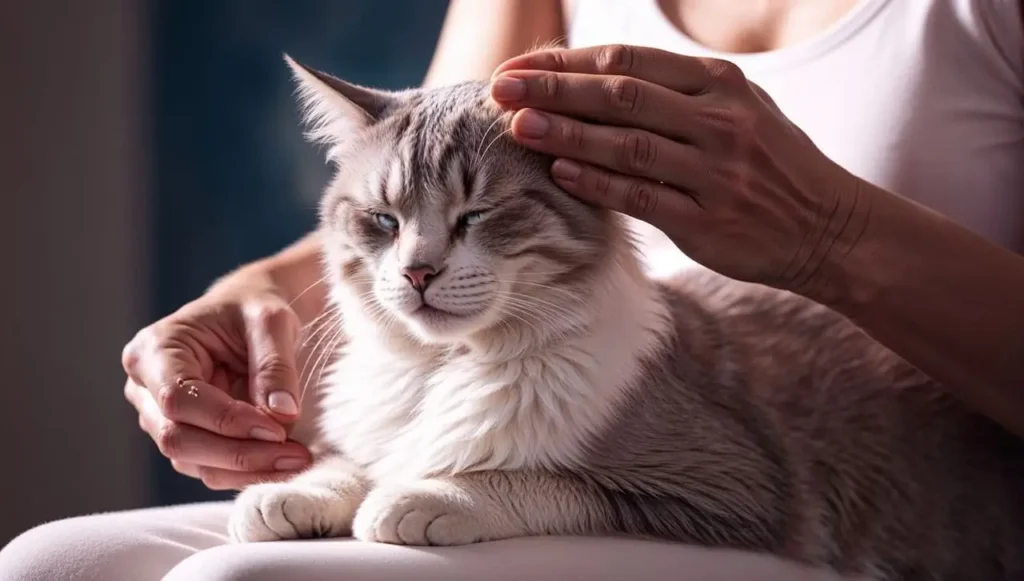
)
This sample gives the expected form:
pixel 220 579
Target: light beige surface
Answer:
pixel 188 543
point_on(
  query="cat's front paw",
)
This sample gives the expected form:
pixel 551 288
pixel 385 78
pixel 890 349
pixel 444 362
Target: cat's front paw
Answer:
pixel 423 513
pixel 280 511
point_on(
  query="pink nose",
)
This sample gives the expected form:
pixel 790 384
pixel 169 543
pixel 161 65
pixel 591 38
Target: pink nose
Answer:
pixel 419 275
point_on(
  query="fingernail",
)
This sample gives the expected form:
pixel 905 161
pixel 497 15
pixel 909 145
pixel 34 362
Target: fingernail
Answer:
pixel 565 170
pixel 508 89
pixel 289 463
pixel 266 435
pixel 532 124
pixel 283 403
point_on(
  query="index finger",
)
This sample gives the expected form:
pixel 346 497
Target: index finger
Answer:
pixel 685 74
pixel 185 397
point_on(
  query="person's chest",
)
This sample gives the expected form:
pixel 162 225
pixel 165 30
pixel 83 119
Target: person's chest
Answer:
pixel 914 97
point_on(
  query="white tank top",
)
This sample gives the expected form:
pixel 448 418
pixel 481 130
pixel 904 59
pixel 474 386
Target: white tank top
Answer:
pixel 924 98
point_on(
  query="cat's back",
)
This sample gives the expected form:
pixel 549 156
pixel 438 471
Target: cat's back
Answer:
pixel 892 465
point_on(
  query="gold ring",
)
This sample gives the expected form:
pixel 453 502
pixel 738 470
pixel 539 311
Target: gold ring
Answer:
pixel 192 390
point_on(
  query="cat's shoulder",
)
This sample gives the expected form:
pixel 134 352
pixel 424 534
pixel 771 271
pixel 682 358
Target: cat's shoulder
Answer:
pixel 702 289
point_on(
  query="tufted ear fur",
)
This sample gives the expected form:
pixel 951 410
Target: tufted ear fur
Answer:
pixel 334 110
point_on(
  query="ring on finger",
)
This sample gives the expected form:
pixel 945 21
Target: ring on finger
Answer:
pixel 192 390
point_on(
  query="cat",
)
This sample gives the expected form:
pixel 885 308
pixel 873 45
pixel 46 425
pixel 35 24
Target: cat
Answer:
pixel 511 370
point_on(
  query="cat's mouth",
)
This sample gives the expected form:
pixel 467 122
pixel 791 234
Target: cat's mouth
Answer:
pixel 431 313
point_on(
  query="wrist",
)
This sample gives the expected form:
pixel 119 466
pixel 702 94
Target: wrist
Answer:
pixel 850 273
pixel 296 274
pixel 253 277
pixel 292 274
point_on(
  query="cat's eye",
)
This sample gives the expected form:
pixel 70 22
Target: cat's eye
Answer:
pixel 386 221
pixel 470 218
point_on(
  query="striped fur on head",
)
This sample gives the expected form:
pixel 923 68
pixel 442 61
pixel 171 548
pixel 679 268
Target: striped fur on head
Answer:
pixel 429 181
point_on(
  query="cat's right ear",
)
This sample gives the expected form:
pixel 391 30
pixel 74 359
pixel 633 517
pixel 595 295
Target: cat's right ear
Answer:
pixel 335 110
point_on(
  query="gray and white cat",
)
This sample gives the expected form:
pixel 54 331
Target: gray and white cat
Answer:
pixel 511 370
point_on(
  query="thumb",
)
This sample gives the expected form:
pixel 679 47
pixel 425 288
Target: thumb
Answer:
pixel 272 331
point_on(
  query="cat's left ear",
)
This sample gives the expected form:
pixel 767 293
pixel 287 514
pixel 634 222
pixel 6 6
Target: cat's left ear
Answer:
pixel 335 110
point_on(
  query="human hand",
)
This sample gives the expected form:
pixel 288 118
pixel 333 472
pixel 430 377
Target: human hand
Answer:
pixel 691 147
pixel 215 383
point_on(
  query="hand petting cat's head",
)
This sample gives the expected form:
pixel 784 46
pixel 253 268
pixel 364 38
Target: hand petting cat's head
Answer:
pixel 437 219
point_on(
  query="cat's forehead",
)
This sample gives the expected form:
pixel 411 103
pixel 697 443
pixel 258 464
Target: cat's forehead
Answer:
pixel 442 147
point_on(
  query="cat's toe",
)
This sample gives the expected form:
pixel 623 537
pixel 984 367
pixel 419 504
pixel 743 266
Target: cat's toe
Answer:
pixel 457 529
pixel 279 511
pixel 424 514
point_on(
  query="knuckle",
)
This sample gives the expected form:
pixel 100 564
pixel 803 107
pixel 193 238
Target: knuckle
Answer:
pixel 131 354
pixel 169 399
pixel 637 152
pixel 616 59
pixel 602 183
pixel 273 366
pixel 572 134
pixel 550 85
pixel 725 73
pixel 641 198
pixel 169 439
pixel 224 421
pixel 734 121
pixel 272 315
pixel 241 460
pixel 264 312
pixel 130 357
pixel 624 94
pixel 558 61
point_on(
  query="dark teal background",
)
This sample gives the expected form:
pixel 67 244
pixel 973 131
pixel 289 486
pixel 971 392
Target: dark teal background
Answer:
pixel 233 179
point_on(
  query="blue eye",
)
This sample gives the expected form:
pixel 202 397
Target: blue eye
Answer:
pixel 386 221
pixel 470 218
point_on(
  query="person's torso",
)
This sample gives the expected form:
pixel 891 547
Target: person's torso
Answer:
pixel 924 98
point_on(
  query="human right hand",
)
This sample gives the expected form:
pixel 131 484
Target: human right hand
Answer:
pixel 215 385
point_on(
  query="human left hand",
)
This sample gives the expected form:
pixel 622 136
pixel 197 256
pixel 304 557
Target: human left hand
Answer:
pixel 692 147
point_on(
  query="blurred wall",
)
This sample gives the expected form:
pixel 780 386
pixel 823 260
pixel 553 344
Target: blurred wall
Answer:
pixel 72 256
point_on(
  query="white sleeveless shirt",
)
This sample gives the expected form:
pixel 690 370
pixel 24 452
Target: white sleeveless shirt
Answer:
pixel 924 98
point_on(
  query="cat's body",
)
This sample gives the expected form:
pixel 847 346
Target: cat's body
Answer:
pixel 516 373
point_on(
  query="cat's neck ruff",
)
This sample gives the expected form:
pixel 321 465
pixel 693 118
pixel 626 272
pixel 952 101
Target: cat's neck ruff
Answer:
pixel 405 413
pixel 575 316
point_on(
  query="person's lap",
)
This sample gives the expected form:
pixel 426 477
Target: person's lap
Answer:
pixel 189 543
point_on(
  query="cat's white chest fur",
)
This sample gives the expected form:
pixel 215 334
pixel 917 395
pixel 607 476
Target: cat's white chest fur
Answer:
pixel 406 417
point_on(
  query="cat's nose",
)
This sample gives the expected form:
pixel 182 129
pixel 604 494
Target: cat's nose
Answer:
pixel 419 275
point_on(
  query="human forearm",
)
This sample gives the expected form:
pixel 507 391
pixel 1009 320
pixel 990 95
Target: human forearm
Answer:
pixel 943 298
pixel 294 273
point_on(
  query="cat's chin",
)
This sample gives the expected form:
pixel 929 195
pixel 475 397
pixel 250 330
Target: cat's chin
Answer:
pixel 435 325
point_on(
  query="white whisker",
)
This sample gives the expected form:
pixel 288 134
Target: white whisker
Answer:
pixel 496 138
pixel 484 136
pixel 320 280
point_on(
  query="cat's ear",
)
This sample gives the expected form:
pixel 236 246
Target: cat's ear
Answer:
pixel 335 110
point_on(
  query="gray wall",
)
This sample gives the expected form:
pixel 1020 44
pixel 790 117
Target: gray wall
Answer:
pixel 73 237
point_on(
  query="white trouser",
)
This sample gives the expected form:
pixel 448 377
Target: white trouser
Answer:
pixel 188 543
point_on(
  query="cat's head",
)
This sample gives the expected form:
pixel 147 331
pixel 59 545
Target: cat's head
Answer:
pixel 436 219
